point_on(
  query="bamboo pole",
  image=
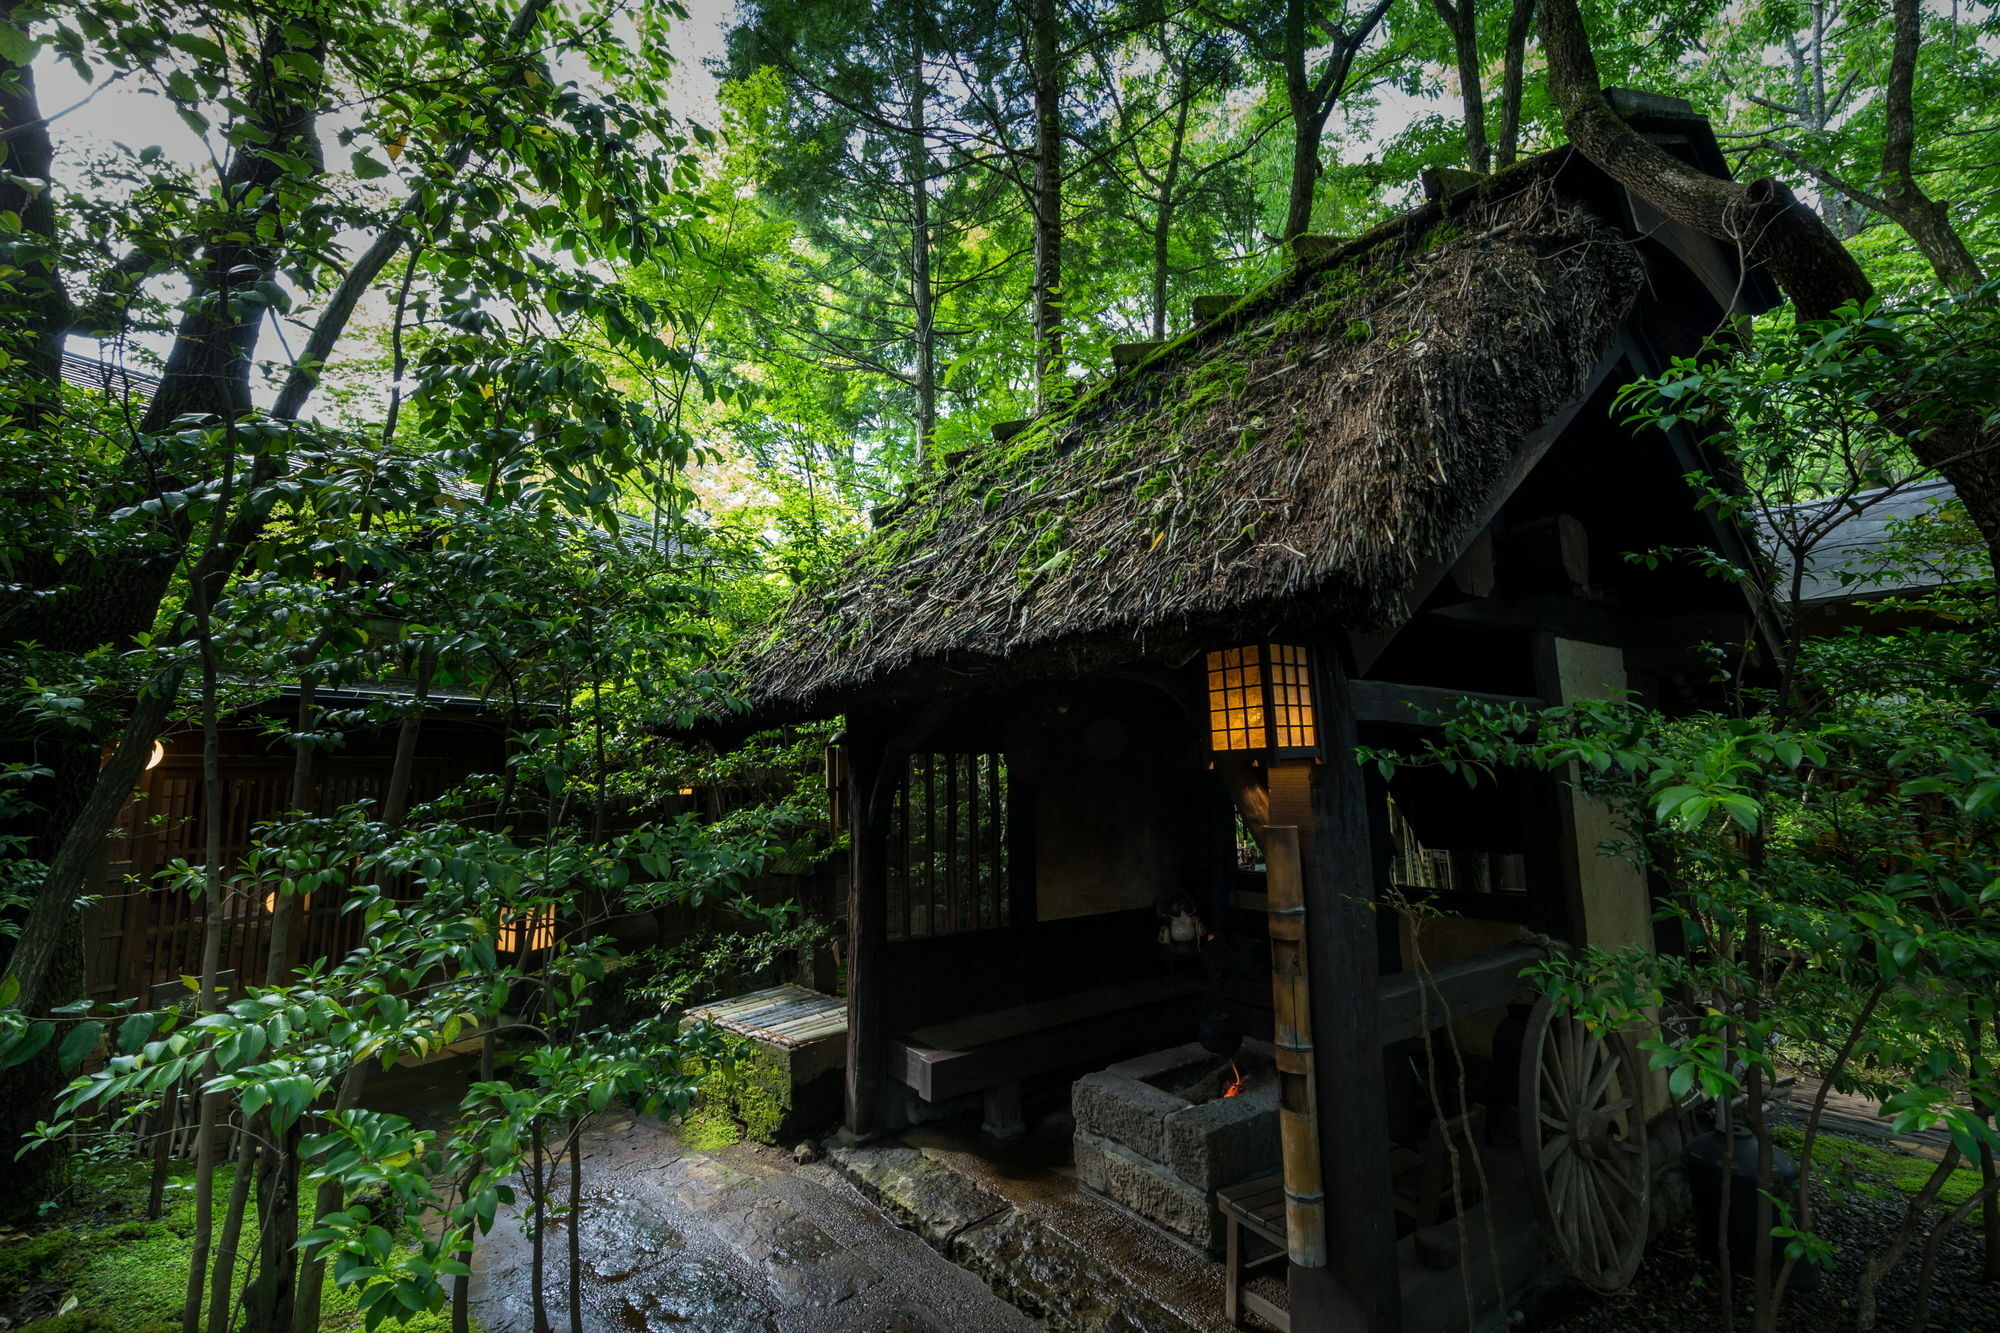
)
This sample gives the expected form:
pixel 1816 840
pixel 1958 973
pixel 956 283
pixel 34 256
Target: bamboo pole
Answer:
pixel 1291 996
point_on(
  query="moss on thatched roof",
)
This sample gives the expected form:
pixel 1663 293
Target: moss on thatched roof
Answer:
pixel 1322 440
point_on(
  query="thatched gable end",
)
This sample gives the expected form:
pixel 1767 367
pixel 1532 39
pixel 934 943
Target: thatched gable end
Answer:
pixel 1326 441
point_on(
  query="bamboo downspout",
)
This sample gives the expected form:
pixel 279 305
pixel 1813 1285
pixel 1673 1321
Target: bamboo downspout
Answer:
pixel 1291 997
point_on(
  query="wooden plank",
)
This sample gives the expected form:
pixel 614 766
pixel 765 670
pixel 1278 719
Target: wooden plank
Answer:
pixel 939 1075
pixel 1387 701
pixel 1044 1014
pixel 1467 985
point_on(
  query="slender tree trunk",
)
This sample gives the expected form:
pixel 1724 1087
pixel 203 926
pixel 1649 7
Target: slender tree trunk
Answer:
pixel 1934 1246
pixel 212 913
pixel 923 332
pixel 222 1283
pixel 1520 18
pixel 1163 209
pixel 1461 18
pixel 329 1199
pixel 1308 124
pixel 538 1210
pixel 1989 1169
pixel 1868 1285
pixel 1051 367
pixel 402 771
pixel 575 1228
pixel 1927 220
pixel 285 911
pixel 268 1301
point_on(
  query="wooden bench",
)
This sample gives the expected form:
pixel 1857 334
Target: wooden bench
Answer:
pixel 1257 1206
pixel 991 1053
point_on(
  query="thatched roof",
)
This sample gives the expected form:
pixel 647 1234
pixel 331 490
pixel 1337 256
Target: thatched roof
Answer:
pixel 1313 447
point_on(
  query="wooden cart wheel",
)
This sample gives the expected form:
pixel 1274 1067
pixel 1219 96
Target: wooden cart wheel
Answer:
pixel 1583 1135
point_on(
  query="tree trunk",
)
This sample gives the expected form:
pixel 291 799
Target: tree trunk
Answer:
pixel 1763 216
pixel 1163 207
pixel 1461 18
pixel 1927 220
pixel 211 928
pixel 222 1284
pixel 923 333
pixel 268 1302
pixel 38 293
pixel 1051 368
pixel 285 911
pixel 1520 18
pixel 1308 124
pixel 1870 1281
pixel 575 1225
pixel 538 1200
pixel 402 771
pixel 312 1273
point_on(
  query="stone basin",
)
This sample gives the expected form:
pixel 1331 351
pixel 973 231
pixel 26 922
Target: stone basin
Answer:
pixel 1156 1135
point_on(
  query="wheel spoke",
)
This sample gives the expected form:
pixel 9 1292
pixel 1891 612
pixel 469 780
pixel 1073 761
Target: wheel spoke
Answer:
pixel 1553 1149
pixel 1601 1078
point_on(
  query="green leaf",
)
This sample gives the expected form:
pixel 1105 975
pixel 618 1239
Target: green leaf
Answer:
pixel 16 46
pixel 80 1042
pixel 368 168
pixel 135 1032
pixel 25 1046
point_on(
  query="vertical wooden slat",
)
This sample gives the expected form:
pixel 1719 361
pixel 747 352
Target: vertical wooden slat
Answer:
pixel 907 786
pixel 950 813
pixel 996 796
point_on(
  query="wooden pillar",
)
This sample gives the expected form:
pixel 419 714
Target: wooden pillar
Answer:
pixel 870 790
pixel 1359 1289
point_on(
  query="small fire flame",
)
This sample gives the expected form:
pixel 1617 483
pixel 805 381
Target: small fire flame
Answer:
pixel 1236 1081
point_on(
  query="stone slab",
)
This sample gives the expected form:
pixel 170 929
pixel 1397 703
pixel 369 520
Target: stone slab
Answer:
pixel 935 1201
pixel 1156 1194
pixel 1116 1106
pixel 1224 1142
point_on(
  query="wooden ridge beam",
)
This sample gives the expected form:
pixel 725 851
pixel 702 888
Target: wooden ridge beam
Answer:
pixel 1388 701
pixel 1464 986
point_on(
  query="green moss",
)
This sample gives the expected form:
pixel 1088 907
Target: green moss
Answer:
pixel 1879 1171
pixel 131 1276
pixel 749 1097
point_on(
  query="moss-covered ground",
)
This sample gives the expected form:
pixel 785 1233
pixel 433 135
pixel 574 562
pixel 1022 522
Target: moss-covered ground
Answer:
pixel 127 1274
pixel 1847 1162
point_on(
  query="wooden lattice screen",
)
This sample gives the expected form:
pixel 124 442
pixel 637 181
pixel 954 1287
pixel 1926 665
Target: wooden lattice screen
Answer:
pixel 143 937
pixel 948 846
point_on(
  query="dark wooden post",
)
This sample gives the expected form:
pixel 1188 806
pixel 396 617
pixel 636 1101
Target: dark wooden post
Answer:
pixel 1360 1287
pixel 870 790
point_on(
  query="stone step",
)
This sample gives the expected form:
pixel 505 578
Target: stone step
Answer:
pixel 1071 1287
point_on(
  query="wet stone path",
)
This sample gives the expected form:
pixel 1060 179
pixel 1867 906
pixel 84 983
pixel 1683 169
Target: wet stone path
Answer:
pixel 743 1241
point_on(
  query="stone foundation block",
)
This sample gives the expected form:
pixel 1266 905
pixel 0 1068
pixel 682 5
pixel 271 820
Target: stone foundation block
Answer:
pixel 1087 1151
pixel 1231 1139
pixel 1124 1111
pixel 1153 1192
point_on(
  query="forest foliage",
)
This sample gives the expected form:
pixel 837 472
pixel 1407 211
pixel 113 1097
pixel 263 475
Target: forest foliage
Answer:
pixel 435 350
